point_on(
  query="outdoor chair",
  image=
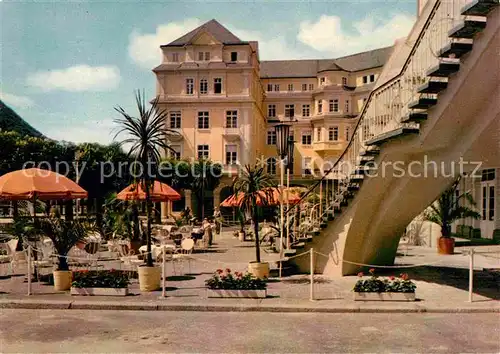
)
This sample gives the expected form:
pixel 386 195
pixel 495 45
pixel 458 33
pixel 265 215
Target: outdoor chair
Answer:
pixel 130 261
pixel 78 257
pixel 184 253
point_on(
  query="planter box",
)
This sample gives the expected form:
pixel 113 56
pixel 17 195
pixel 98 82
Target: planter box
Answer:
pixel 237 293
pixel 384 296
pixel 100 291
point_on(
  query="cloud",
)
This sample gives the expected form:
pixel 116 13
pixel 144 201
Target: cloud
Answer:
pixel 144 49
pixel 77 78
pixel 327 35
pixel 94 131
pixel 15 101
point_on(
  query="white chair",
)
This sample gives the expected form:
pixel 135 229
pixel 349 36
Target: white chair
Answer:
pixel 184 253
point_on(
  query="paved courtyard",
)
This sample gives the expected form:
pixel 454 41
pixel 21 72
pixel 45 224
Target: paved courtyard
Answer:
pixel 42 331
pixel 444 281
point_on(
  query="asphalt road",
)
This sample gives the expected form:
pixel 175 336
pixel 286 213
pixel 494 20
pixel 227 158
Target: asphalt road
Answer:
pixel 228 332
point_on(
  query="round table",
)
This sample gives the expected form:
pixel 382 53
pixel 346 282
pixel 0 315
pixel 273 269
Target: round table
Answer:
pixel 156 250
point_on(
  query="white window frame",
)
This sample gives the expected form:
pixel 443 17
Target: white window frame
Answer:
pixel 304 87
pixel 306 110
pixel 203 118
pixel 306 138
pixel 277 87
pixel 175 57
pixel 289 110
pixel 271 108
pixel 290 87
pixel 271 165
pixel 189 86
pixel 203 87
pixel 320 106
pixel 178 153
pixel 271 137
pixel 203 150
pixel 231 157
pixel 175 119
pixel 333 133
pixel 218 80
pixel 311 87
pixel 231 118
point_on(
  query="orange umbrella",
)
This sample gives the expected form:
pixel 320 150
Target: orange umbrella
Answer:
pixel 34 183
pixel 273 198
pixel 161 192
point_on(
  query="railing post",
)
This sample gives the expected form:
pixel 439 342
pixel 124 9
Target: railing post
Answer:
pixel 163 272
pixel 471 273
pixel 311 296
pixel 29 270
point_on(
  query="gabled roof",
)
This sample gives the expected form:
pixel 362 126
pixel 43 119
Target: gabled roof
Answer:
pixel 310 67
pixel 218 31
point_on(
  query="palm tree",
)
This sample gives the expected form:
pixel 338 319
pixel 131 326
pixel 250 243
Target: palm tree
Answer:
pixel 254 189
pixel 146 135
pixel 447 209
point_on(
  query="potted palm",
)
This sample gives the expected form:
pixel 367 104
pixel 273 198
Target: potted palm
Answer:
pixel 452 205
pixel 65 234
pixel 253 188
pixel 146 136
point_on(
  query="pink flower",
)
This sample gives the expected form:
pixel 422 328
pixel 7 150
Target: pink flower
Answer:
pixel 391 277
pixel 228 270
pixel 360 274
pixel 219 271
pixel 404 276
pixel 372 270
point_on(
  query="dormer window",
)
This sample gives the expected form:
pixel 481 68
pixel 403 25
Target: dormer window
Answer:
pixel 234 56
pixel 175 57
pixel 344 81
pixel 203 56
pixel 322 81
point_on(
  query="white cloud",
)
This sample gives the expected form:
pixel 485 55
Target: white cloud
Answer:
pixel 328 36
pixel 144 49
pixel 94 131
pixel 16 101
pixel 77 78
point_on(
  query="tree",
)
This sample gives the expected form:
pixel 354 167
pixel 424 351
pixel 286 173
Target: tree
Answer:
pixel 146 137
pixel 254 188
pixel 448 208
pixel 205 177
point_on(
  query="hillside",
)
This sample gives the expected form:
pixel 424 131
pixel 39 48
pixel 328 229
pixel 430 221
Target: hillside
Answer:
pixel 10 120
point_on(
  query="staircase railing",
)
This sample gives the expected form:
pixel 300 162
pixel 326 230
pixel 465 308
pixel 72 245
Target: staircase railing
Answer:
pixel 388 105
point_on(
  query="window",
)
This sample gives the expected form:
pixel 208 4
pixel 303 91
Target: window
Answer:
pixel 271 110
pixel 304 87
pixel 203 86
pixel 234 56
pixel 231 154
pixel 217 85
pixel 175 57
pixel 491 210
pixel 488 175
pixel 189 86
pixel 203 56
pixel 346 106
pixel 322 81
pixel 333 134
pixel 318 134
pixel 347 133
pixel 271 137
pixel 269 87
pixel 231 119
pixel 289 110
pixel 320 106
pixel 372 78
pixel 203 120
pixel 334 105
pixel 307 166
pixel 276 87
pixel 365 79
pixel 271 166
pixel 311 87
pixel 175 120
pixel 306 138
pixel 176 153
pixel 290 87
pixel 344 81
pixel 203 151
pixel 485 201
pixel 306 110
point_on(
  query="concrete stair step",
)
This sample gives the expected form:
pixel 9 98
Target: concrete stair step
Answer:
pixel 467 29
pixel 432 86
pixel 414 117
pixel 455 49
pixel 422 103
pixel 443 69
pixel 479 7
pixel 396 133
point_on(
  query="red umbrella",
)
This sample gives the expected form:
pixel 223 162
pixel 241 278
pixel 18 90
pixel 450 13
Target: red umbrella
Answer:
pixel 34 183
pixel 161 192
pixel 273 198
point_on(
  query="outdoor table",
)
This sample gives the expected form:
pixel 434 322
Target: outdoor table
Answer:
pixel 156 250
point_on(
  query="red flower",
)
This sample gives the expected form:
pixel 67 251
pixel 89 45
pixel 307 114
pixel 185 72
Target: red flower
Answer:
pixel 360 274
pixel 219 271
pixel 372 270
pixel 112 270
pixel 228 270
pixel 404 276
pixel 391 277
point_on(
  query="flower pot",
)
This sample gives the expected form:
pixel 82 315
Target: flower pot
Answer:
pixel 62 280
pixel 259 270
pixel 99 291
pixel 241 236
pixel 384 296
pixel 446 245
pixel 149 278
pixel 236 293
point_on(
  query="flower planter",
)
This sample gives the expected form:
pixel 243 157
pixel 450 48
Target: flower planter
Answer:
pixel 62 280
pixel 149 278
pixel 236 293
pixel 100 291
pixel 364 296
pixel 446 245
pixel 259 270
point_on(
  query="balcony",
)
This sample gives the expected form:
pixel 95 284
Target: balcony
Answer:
pixel 322 146
pixel 175 135
pixel 231 134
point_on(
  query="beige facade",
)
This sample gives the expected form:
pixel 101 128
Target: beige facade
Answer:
pixel 225 102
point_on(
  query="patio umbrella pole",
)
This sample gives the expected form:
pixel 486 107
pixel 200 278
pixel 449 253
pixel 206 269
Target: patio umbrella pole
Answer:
pixel 163 272
pixel 287 208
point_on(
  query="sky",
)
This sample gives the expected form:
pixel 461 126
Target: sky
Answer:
pixel 65 65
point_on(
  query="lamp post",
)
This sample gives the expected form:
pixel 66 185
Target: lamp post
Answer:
pixel 289 168
pixel 282 133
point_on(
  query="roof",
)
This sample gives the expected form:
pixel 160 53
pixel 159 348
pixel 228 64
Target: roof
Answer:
pixel 218 31
pixel 311 67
